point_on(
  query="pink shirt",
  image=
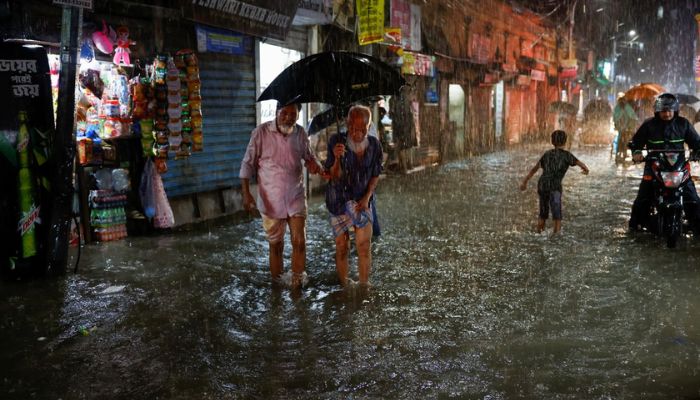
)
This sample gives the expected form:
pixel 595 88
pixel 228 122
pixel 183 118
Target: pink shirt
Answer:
pixel 277 161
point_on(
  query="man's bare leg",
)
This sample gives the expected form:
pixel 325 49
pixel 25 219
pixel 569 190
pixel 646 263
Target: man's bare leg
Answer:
pixel 276 250
pixel 297 228
pixel 342 244
pixel 363 241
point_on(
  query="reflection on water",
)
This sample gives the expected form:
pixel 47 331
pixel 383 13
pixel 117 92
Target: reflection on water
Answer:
pixel 466 302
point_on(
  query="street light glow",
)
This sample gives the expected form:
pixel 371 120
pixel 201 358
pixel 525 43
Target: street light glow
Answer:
pixel 632 32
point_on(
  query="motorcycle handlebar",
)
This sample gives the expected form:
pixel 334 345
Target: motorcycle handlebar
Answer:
pixel 650 154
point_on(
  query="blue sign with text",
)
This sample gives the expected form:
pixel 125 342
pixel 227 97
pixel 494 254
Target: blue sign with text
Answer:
pixel 216 40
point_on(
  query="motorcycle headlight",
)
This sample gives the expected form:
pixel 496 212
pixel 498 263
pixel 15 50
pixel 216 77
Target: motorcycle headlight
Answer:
pixel 672 179
pixel 671 158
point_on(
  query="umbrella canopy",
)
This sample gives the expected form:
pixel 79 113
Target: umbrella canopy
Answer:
pixel 686 98
pixel 597 109
pixel 326 118
pixel 334 114
pixel 562 107
pixel 644 91
pixel 334 77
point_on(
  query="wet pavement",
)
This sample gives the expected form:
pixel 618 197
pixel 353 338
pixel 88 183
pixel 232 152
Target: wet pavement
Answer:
pixel 467 302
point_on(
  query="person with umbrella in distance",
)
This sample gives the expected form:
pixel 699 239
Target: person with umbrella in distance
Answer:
pixel 355 163
pixel 275 154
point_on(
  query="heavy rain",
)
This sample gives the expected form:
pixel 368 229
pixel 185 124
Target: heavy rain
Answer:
pixel 467 298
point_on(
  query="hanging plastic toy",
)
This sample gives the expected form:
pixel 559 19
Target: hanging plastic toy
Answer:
pixel 102 40
pixel 121 54
pixel 87 53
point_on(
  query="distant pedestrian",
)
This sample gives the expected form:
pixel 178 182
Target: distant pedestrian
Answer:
pixel 355 163
pixel 626 121
pixel 276 153
pixel 554 164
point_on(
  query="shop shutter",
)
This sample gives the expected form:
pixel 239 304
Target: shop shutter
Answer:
pixel 228 110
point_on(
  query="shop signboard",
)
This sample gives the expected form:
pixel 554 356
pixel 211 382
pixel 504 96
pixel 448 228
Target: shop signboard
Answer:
pixel 344 14
pixel 417 64
pixel 401 17
pixel 537 75
pixel 407 16
pixel 264 18
pixel 392 36
pixel 86 4
pixel 370 21
pixel 415 33
pixel 214 40
pixel 314 12
pixel 522 80
pixel 567 73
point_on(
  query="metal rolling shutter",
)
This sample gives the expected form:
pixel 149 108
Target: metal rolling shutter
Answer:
pixel 228 108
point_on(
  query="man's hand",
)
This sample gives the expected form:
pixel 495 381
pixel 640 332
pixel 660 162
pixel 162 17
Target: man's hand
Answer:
pixel 362 204
pixel 339 150
pixel 248 202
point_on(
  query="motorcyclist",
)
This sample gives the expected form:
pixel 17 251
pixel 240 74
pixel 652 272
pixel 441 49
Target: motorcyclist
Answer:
pixel 666 130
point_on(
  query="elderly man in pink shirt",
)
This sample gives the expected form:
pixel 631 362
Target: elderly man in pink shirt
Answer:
pixel 275 154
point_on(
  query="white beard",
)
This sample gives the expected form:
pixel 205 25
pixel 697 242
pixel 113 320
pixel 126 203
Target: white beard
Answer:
pixel 358 147
pixel 286 129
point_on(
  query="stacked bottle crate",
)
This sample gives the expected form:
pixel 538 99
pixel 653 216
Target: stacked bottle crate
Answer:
pixel 107 215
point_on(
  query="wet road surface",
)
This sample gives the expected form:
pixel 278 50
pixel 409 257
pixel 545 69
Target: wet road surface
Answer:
pixel 467 302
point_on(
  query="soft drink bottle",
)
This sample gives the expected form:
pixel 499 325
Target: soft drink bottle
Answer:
pixel 29 209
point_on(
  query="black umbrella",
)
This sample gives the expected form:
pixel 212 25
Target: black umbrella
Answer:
pixel 335 114
pixel 326 118
pixel 334 77
pixel 686 98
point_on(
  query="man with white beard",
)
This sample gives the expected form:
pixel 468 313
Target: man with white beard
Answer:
pixel 355 163
pixel 276 153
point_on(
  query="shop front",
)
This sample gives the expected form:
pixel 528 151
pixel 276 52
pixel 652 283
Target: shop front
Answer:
pixel 164 107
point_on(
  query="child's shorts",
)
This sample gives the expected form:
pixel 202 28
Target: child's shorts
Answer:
pixel 550 200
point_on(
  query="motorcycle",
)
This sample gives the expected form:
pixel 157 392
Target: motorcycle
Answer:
pixel 671 176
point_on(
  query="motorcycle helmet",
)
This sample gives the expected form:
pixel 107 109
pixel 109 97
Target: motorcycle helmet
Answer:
pixel 666 102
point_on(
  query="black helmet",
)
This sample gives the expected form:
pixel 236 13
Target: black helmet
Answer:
pixel 666 102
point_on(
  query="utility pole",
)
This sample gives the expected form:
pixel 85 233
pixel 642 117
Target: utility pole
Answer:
pixel 697 56
pixel 64 143
pixel 612 64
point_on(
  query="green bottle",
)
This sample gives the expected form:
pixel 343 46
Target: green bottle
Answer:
pixel 29 210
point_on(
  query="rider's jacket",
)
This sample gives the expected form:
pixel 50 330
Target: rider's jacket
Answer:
pixel 657 134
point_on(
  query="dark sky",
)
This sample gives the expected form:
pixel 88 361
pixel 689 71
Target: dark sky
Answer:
pixel 667 30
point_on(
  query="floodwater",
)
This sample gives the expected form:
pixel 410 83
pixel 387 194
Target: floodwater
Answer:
pixel 467 302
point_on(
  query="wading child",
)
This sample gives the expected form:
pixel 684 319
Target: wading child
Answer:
pixel 554 164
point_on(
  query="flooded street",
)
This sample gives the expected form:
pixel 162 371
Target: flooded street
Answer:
pixel 467 302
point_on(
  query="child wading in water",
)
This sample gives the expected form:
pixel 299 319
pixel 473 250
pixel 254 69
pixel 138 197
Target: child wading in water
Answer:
pixel 554 164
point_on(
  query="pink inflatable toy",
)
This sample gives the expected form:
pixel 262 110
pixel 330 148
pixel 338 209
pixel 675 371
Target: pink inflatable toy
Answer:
pixel 102 40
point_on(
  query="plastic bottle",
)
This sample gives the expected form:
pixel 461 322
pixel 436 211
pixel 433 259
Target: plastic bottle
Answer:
pixel 29 209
